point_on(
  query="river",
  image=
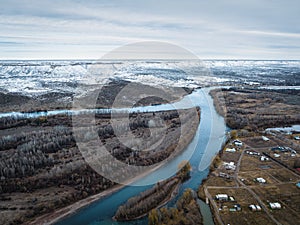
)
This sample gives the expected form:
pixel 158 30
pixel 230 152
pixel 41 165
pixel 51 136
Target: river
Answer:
pixel 209 137
pixel 207 142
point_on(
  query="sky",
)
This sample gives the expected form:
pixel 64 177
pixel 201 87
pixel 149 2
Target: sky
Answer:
pixel 210 29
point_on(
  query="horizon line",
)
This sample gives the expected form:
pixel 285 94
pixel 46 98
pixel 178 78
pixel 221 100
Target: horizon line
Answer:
pixel 203 59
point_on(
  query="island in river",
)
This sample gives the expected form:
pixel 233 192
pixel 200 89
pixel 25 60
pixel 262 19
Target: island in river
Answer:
pixel 157 196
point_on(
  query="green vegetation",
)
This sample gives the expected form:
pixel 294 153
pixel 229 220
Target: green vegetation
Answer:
pixel 234 134
pixel 184 170
pixel 215 163
pixel 186 212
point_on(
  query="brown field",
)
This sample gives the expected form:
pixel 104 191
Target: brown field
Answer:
pixel 250 163
pixel 220 181
pixel 245 216
pixel 288 196
pixel 258 142
pixel 253 111
pixel 283 175
pixel 231 156
pixel 252 175
pixel 280 185
pixel 285 158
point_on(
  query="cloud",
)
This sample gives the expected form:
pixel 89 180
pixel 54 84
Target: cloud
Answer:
pixel 89 29
pixel 270 33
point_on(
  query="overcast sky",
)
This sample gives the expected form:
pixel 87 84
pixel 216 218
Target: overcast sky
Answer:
pixel 218 29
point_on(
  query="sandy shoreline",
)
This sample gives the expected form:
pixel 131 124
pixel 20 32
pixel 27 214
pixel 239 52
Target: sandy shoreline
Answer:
pixel 54 217
pixel 59 214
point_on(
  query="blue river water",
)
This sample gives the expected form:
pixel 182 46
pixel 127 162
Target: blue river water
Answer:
pixel 206 143
pixel 209 137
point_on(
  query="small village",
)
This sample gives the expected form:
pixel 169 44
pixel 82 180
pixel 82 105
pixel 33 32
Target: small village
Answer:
pixel 255 179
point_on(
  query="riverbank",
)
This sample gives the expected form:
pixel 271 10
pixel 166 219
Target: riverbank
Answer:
pixel 73 208
pixel 207 138
pixel 52 218
pixel 65 176
pixel 102 98
pixel 57 215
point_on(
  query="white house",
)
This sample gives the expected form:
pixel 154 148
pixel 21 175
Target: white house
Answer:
pixel 222 197
pixel 275 205
pixel 238 143
pixel 265 138
pixel 252 153
pixel 230 150
pixel 261 180
pixel 264 158
pixel 229 166
pixel 254 207
pixel 231 198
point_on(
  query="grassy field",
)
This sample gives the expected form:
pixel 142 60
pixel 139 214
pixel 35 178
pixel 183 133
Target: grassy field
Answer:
pixel 288 195
pixel 245 216
pixel 280 184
